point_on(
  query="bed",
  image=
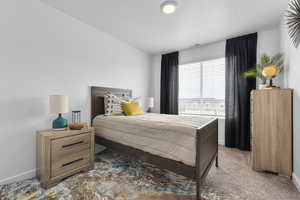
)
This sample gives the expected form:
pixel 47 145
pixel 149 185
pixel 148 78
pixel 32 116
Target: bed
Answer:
pixel 182 144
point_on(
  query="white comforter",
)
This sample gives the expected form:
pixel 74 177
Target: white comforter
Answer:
pixel 168 136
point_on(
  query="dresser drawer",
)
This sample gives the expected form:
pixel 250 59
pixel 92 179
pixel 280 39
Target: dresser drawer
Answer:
pixel 71 162
pixel 69 145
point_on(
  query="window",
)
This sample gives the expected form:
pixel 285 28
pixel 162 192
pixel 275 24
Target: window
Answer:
pixel 202 88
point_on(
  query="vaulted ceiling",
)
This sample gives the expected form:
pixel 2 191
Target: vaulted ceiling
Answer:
pixel 141 24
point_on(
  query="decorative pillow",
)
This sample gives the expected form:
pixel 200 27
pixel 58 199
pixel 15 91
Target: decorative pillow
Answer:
pixel 132 109
pixel 112 103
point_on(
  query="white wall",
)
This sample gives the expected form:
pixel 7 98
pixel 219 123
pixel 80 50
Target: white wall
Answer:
pixel 268 42
pixel 44 52
pixel 291 80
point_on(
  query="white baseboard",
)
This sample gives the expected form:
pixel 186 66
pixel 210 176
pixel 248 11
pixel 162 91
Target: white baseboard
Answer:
pixel 296 181
pixel 19 177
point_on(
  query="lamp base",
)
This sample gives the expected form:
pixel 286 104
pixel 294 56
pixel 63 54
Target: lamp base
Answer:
pixel 60 123
pixel 271 86
pixel 59 129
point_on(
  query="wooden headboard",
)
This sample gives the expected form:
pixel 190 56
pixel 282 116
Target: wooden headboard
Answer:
pixel 97 98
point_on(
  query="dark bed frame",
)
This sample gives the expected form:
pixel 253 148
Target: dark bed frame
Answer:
pixel 206 144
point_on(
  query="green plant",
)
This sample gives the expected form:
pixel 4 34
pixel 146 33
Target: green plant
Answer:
pixel 265 60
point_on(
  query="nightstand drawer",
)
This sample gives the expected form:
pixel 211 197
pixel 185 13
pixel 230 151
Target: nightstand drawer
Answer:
pixel 68 145
pixel 68 163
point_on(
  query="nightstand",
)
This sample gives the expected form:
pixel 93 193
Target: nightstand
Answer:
pixel 63 153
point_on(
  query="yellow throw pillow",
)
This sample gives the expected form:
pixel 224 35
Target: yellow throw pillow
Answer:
pixel 132 109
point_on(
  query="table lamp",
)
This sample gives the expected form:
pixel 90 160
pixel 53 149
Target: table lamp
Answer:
pixel 149 103
pixel 270 72
pixel 59 104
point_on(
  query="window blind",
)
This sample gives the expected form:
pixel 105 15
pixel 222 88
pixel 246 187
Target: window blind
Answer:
pixel 202 87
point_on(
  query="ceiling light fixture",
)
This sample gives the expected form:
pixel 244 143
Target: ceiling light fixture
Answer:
pixel 168 7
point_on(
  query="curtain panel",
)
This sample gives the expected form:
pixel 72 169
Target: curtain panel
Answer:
pixel 240 57
pixel 169 84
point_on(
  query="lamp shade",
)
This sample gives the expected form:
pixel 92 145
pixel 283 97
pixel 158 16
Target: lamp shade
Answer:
pixel 149 102
pixel 59 104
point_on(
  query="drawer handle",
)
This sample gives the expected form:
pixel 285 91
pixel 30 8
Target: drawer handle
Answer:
pixel 74 161
pixel 69 145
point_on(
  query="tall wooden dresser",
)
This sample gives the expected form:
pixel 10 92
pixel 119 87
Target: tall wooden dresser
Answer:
pixel 271 130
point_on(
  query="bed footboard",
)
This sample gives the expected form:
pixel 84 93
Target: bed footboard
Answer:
pixel 206 152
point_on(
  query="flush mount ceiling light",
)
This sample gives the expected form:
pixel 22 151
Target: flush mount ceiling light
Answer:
pixel 168 7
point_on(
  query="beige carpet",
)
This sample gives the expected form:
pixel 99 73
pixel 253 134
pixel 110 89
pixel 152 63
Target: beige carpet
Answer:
pixel 235 178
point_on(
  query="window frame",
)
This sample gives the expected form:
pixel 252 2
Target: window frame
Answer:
pixel 201 87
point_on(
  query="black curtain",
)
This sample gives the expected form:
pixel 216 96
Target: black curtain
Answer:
pixel 169 84
pixel 240 56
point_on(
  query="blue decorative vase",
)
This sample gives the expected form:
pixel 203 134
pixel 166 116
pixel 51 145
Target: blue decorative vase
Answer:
pixel 60 123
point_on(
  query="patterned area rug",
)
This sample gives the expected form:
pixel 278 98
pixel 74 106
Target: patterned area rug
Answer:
pixel 115 177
